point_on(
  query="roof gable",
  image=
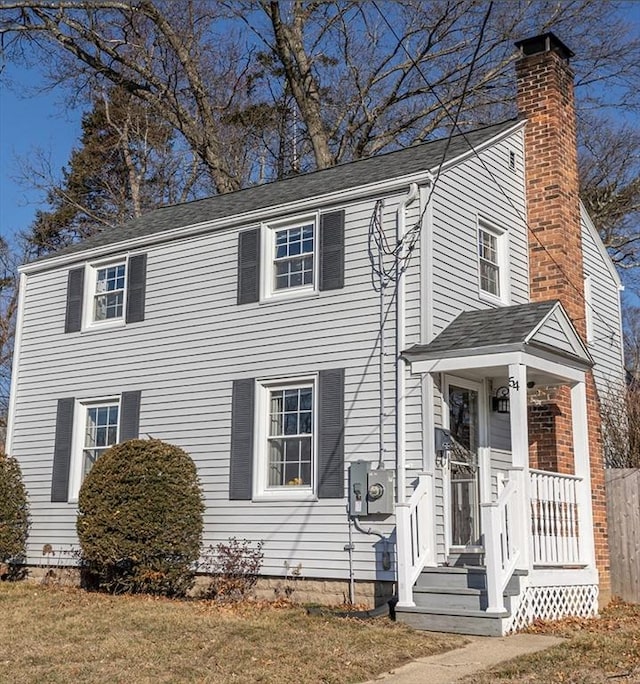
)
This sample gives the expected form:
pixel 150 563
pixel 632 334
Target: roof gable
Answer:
pixel 541 325
pixel 555 331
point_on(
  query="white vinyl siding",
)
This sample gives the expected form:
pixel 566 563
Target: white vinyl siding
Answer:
pixel 195 341
pixel 605 343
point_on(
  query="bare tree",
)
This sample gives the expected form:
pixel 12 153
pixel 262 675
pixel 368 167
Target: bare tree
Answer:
pixel 364 76
pixel 127 162
pixel 610 186
pixel 170 55
pixel 8 309
pixel 632 342
pixel 621 427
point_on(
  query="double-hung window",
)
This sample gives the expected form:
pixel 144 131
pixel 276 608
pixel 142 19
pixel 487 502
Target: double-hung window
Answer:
pixel 97 429
pixel 109 290
pixel 291 258
pixel 286 434
pixel 491 261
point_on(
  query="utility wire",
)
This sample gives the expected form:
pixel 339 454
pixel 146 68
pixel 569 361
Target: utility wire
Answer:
pixel 413 234
pixel 418 227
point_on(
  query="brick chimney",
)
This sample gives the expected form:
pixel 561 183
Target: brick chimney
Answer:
pixel 545 98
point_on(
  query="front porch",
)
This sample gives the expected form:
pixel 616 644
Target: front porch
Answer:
pixel 516 541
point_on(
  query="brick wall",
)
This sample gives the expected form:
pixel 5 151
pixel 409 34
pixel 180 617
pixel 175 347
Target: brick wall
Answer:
pixel 546 99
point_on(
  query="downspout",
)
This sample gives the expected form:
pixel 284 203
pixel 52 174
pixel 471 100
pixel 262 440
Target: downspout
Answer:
pixel 401 476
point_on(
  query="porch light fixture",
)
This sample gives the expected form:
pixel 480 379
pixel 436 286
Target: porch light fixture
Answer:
pixel 501 400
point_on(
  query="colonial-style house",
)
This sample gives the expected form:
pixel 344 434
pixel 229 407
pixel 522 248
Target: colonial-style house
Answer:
pixel 388 371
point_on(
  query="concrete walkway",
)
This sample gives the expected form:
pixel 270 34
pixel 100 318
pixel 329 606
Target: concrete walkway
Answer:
pixel 479 654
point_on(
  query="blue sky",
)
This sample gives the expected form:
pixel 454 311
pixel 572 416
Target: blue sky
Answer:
pixel 31 121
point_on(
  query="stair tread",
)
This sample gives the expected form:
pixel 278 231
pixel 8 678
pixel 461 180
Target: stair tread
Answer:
pixel 453 612
pixel 463 591
pixel 455 570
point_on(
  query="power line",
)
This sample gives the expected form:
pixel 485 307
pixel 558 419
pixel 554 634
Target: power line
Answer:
pixel 417 228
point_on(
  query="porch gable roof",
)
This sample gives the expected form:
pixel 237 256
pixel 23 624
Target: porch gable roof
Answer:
pixel 536 326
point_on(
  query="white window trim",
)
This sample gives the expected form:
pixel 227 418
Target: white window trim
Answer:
pixel 90 279
pixel 261 492
pixel 502 247
pixel 77 444
pixel 267 256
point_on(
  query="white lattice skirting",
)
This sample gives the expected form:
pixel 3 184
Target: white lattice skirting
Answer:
pixel 553 603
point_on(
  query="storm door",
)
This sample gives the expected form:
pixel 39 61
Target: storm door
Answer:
pixel 464 425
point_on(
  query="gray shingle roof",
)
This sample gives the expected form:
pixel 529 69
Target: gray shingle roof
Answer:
pixel 485 329
pixel 414 159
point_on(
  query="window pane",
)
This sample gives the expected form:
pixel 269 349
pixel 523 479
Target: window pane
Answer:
pixel 101 432
pixel 489 278
pixel 291 400
pixel 276 451
pixel 305 398
pixel 290 423
pixel 291 269
pixel 109 293
pixel 305 422
pixel 290 452
pixel 489 265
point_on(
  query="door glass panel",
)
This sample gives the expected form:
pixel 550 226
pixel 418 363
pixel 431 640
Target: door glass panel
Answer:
pixel 463 424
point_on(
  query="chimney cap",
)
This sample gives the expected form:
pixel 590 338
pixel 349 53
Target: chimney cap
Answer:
pixel 545 42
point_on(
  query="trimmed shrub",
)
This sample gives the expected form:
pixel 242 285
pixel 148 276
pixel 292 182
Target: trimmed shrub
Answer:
pixel 140 519
pixel 14 512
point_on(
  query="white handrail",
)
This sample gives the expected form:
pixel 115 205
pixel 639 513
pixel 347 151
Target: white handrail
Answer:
pixel 413 537
pixel 504 533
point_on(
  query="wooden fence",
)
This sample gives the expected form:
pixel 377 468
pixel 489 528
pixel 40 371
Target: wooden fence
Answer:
pixel 623 512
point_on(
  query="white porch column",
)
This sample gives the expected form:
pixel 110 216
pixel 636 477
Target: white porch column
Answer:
pixel 582 468
pixel 520 453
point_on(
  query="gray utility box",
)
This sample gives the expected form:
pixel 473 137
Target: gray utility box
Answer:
pixel 371 492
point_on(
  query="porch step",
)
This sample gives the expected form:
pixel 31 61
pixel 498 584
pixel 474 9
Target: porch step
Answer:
pixel 454 599
pixel 455 621
pixel 470 577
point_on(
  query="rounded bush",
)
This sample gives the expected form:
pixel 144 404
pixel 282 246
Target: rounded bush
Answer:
pixel 140 519
pixel 14 512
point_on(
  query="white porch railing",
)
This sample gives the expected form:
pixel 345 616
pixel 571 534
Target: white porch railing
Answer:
pixel 414 537
pixel 554 518
pixel 502 524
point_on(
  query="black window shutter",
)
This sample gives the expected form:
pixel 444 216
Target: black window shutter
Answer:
pixel 332 251
pixel 75 290
pixel 62 450
pixel 136 287
pixel 241 460
pixel 130 415
pixel 249 266
pixel 331 434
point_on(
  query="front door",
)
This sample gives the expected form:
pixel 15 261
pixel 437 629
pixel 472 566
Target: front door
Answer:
pixel 464 424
